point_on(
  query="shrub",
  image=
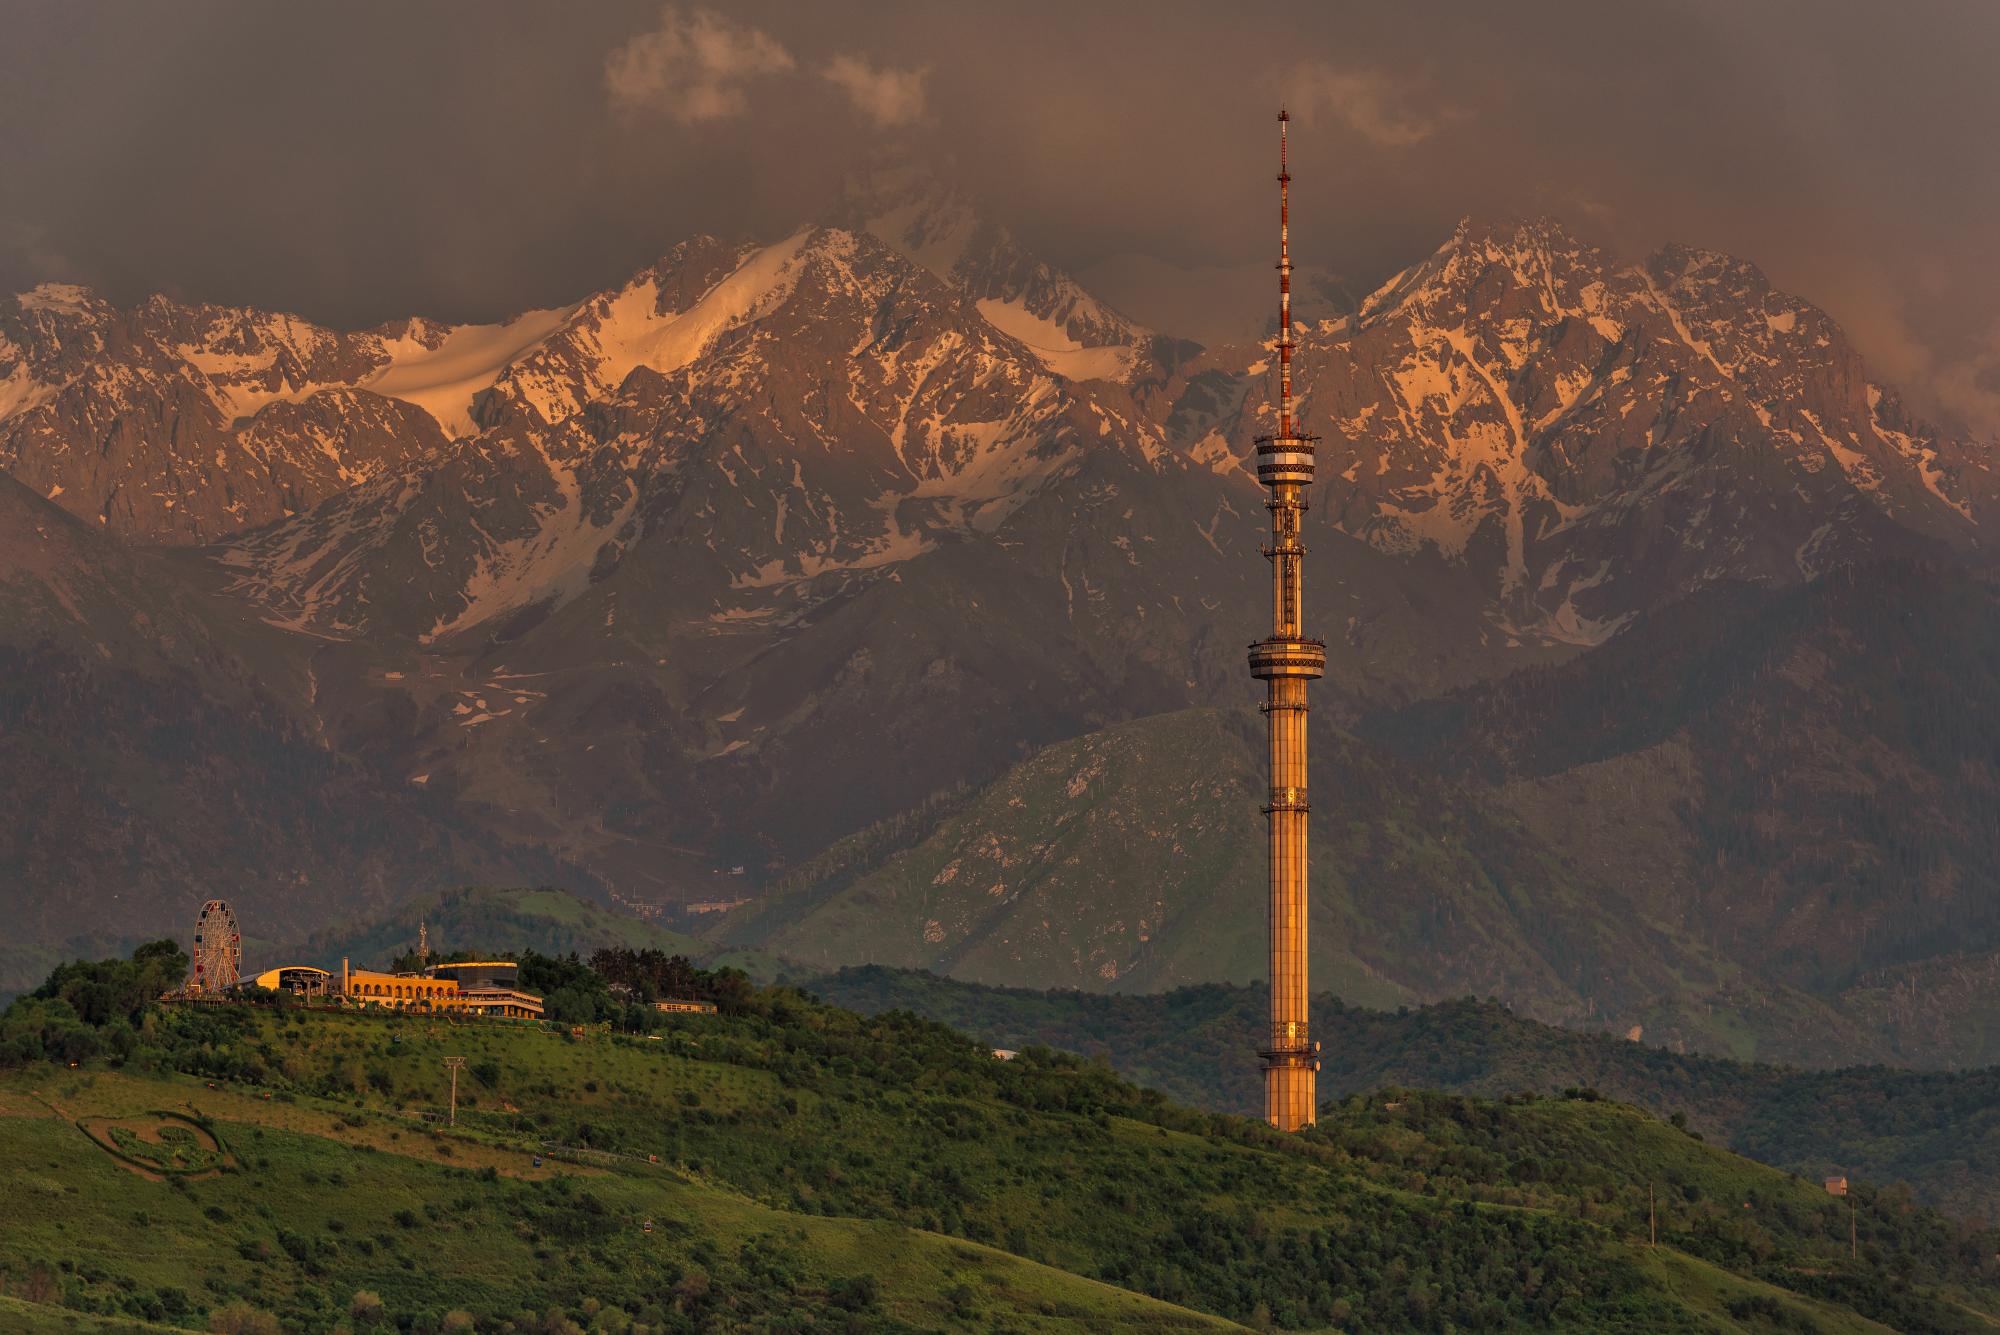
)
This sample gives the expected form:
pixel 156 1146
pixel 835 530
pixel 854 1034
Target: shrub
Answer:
pixel 240 1318
pixel 366 1308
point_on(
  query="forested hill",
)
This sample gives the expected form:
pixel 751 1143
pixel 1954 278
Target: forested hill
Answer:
pixel 784 1164
pixel 1937 1131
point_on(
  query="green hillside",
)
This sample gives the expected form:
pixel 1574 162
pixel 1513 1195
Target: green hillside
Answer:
pixel 1939 1131
pixel 1131 860
pixel 1803 777
pixel 807 1168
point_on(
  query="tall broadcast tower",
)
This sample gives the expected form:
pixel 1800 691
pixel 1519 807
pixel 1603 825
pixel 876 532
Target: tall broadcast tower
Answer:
pixel 1285 661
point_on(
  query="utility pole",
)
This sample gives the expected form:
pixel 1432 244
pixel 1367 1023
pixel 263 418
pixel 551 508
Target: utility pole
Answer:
pixel 1853 1228
pixel 454 1065
pixel 1652 1218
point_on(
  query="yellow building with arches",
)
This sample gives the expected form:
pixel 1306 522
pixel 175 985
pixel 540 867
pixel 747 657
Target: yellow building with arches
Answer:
pixel 401 991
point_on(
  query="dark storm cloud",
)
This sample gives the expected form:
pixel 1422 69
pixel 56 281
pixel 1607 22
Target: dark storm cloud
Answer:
pixel 361 161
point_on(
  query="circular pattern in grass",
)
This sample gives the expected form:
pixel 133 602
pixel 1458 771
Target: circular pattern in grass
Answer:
pixel 159 1145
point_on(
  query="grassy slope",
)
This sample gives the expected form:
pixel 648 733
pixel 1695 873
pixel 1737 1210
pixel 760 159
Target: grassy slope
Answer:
pixel 303 1172
pixel 804 1146
pixel 1131 860
pixel 1938 1131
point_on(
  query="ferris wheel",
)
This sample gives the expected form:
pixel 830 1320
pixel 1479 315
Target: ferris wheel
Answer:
pixel 217 948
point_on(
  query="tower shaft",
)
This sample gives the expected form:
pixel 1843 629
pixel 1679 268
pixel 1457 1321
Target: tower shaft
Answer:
pixel 1285 661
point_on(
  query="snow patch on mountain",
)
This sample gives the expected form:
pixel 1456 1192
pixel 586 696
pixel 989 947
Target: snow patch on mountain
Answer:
pixel 446 378
pixel 1054 348
pixel 895 545
pixel 554 563
pixel 20 392
pixel 69 297
pixel 634 333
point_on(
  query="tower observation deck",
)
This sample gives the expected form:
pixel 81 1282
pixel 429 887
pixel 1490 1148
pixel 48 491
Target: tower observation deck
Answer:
pixel 1285 661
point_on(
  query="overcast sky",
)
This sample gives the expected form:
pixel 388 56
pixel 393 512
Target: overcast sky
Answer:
pixel 358 161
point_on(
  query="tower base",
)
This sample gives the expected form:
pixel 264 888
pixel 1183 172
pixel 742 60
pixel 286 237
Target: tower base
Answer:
pixel 1291 1096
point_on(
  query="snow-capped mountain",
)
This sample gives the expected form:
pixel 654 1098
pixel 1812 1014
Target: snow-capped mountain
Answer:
pixel 786 502
pixel 775 539
pixel 815 407
pixel 170 423
pixel 1591 440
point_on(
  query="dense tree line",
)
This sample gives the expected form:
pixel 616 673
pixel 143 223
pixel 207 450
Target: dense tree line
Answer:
pixel 90 1008
pixel 1937 1130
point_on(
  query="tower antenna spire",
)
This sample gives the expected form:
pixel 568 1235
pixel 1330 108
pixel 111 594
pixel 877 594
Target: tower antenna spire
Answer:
pixel 1284 273
pixel 1285 661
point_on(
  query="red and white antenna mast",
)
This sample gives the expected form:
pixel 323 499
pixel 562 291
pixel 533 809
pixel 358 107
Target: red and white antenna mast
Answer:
pixel 1284 273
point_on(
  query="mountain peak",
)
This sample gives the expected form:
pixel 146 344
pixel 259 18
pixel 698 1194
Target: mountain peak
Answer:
pixel 1677 264
pixel 1512 229
pixel 1493 265
pixel 937 225
pixel 68 298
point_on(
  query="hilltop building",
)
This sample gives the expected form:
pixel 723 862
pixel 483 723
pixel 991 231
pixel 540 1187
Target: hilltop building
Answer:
pixel 485 987
pixel 481 987
pixel 303 979
pixel 491 987
pixel 401 991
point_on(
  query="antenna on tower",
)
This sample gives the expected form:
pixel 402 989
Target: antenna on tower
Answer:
pixel 1284 273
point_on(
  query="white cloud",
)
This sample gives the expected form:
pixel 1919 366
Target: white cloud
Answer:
pixel 1379 108
pixel 888 97
pixel 694 66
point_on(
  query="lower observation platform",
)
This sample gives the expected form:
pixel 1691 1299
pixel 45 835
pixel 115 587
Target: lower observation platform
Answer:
pixel 1277 657
pixel 1290 1045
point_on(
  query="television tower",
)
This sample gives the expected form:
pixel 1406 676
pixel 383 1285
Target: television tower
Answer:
pixel 1285 661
